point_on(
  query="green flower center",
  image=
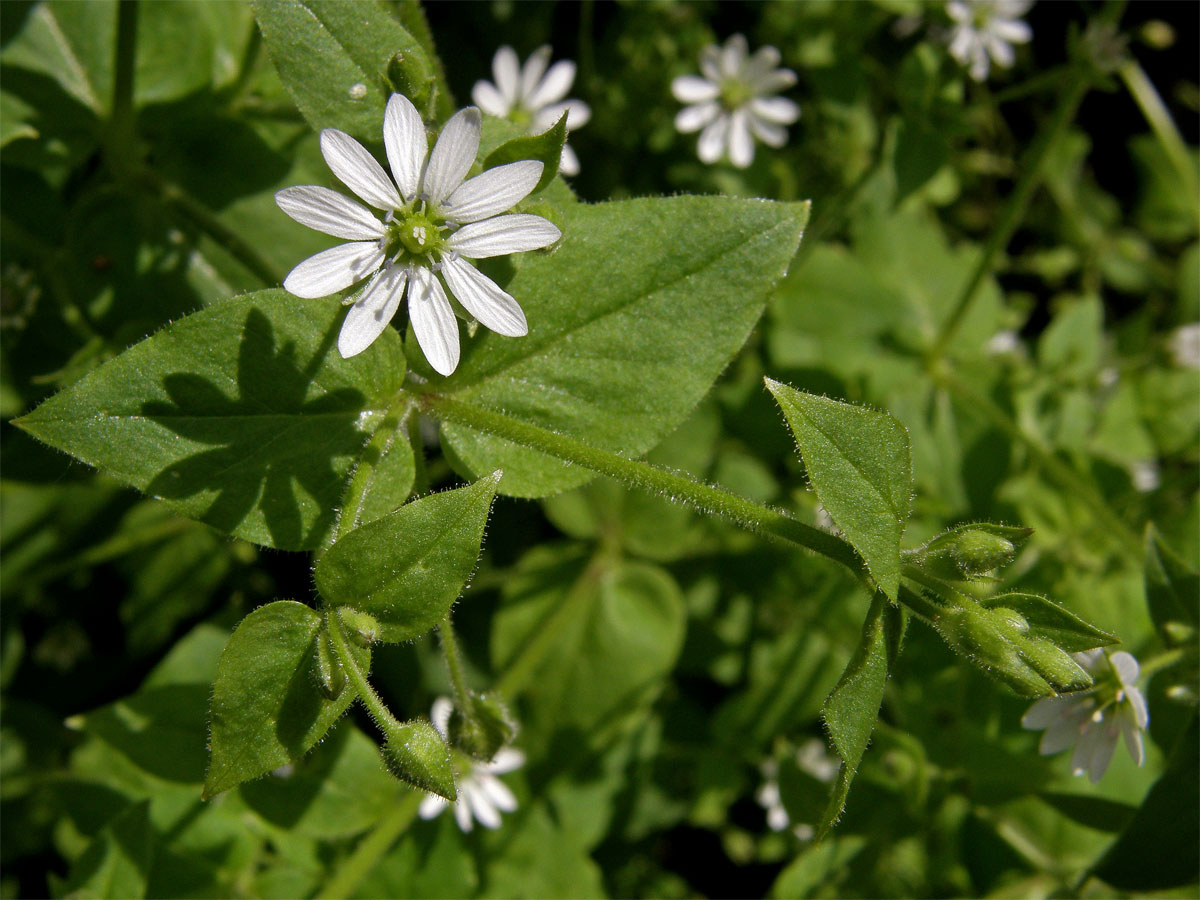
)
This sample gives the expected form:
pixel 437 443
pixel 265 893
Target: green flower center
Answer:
pixel 414 235
pixel 735 93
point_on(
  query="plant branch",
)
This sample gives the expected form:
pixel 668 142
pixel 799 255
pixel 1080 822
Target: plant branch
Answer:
pixel 1160 121
pixel 341 646
pixel 639 474
pixel 371 849
pixel 454 664
pixel 364 473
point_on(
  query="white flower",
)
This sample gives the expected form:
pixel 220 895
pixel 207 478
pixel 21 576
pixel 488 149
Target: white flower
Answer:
pixel 532 96
pixel 481 795
pixel 987 28
pixel 1091 720
pixel 733 102
pixel 811 757
pixel 1184 346
pixel 432 225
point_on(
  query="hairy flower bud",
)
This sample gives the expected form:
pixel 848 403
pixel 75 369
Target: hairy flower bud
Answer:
pixel 416 754
pixel 485 731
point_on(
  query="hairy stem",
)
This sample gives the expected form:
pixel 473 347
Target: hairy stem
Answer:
pixel 1160 121
pixel 739 510
pixel 121 139
pixel 364 473
pixel 454 665
pixel 341 646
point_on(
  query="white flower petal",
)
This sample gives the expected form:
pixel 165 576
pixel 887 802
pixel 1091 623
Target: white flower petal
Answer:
pixel 764 60
pixel 1102 752
pixel 777 818
pixel 1059 736
pixel 1001 52
pixel 1047 711
pixel 406 143
pixel 433 321
pixel 959 11
pixel 568 163
pixel 774 82
pixel 694 89
pixel 507 70
pixel 496 791
pixel 462 812
pixel 507 759
pixel 371 313
pixel 501 235
pixel 733 56
pixel 484 299
pixel 439 714
pixel 578 115
pixel 693 118
pixel 431 806
pixel 484 812
pixel 328 211
pixel 712 139
pixel 741 142
pixel 554 86
pixel 358 169
pixel 1132 734
pixel 452 155
pixel 532 72
pixel 488 98
pixel 768 132
pixel 779 110
pixel 334 269
pixel 495 191
pixel 1013 31
pixel 1126 667
pixel 710 63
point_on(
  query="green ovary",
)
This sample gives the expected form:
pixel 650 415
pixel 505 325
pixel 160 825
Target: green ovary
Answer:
pixel 415 236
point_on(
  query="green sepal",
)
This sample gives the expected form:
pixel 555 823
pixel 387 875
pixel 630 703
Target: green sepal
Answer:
pixel 408 73
pixel 416 754
pixel 485 731
pixel 997 641
pixel 1049 621
pixel 545 147
pixel 362 628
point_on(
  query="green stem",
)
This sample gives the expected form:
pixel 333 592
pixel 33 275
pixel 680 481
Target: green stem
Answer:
pixel 364 473
pixel 341 646
pixel 643 476
pixel 371 849
pixel 546 635
pixel 454 664
pixel 206 220
pixel 121 139
pixel 1126 538
pixel 1159 117
pixel 1014 211
pixel 1163 660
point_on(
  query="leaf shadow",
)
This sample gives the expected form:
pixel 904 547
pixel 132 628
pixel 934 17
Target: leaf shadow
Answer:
pixel 272 447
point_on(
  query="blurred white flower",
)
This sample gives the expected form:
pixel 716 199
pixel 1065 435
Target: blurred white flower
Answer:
pixel 733 101
pixel 433 224
pixel 986 29
pixel 481 795
pixel 1004 342
pixel 1145 475
pixel 811 757
pixel 532 96
pixel 1092 720
pixel 1184 346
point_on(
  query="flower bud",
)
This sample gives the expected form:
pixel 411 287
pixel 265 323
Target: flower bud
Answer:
pixel 363 627
pixel 993 643
pixel 415 753
pixel 486 731
pixel 409 74
pixel 969 552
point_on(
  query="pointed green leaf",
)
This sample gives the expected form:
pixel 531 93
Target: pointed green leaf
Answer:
pixel 1056 624
pixel 341 61
pixel 850 711
pixel 407 568
pixel 267 705
pixel 242 415
pixel 860 465
pixel 1172 589
pixel 546 147
pixel 630 322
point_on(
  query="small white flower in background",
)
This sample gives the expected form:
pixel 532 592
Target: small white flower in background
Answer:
pixel 984 32
pixel 1004 342
pixel 432 225
pixel 1145 475
pixel 811 757
pixel 1092 720
pixel 532 96
pixel 481 795
pixel 733 101
pixel 1184 346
